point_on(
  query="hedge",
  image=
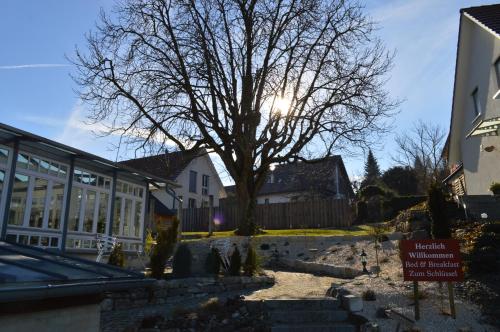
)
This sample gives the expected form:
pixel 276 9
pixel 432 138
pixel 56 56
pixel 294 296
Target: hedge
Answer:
pixel 395 205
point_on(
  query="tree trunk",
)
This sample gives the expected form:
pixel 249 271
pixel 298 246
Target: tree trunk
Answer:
pixel 247 205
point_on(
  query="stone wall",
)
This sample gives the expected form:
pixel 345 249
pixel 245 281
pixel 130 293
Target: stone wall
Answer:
pixel 121 310
pixel 269 248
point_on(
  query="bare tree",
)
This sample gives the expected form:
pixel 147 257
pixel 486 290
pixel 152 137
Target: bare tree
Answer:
pixel 421 148
pixel 255 81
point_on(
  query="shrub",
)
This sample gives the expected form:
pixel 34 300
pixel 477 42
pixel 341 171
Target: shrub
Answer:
pixel 235 263
pixel 488 240
pixel 163 249
pixel 436 203
pixel 394 205
pixel 369 295
pixel 252 264
pixel 361 211
pixel 371 190
pixel 495 188
pixel 493 227
pixel 483 260
pixel 181 264
pixel 116 257
pixel 374 207
pixel 212 263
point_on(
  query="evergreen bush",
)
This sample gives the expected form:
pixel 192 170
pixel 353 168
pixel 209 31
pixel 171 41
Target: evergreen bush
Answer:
pixel 235 263
pixel 361 211
pixel 116 257
pixel 483 260
pixel 163 249
pixel 181 264
pixel 436 204
pixel 212 262
pixel 495 188
pixel 371 190
pixel 252 263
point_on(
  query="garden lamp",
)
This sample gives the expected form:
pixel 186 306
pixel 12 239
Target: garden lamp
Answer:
pixel 363 260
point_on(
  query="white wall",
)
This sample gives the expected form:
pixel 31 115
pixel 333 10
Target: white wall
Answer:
pixel 478 51
pixel 276 198
pixel 202 165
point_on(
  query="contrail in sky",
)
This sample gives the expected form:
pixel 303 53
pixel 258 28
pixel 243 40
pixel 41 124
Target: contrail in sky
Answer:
pixel 35 65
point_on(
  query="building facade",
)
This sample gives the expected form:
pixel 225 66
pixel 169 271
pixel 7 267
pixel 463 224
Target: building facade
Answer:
pixel 196 181
pixel 473 146
pixel 301 181
pixel 54 196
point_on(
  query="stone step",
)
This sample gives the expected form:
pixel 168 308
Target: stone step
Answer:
pixel 302 304
pixel 307 316
pixel 334 327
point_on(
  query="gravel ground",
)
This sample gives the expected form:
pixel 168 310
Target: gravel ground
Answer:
pixel 390 289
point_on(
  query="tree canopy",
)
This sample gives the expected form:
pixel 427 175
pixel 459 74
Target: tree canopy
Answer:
pixel 372 170
pixel 403 180
pixel 256 82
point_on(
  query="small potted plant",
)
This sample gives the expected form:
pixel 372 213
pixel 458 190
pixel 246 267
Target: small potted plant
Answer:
pixel 495 188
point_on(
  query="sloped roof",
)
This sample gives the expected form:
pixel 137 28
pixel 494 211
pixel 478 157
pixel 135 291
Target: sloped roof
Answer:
pixel 30 273
pixel 303 176
pixel 488 15
pixel 168 165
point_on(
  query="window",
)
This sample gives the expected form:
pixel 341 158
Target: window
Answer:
pixel 94 207
pixel 18 200
pixel 102 213
pixel 129 216
pixel 117 214
pixel 192 181
pixel 88 218
pixel 191 203
pixel 4 155
pixel 137 218
pixel 266 201
pixel 475 100
pixel 204 184
pixel 56 203
pixel 39 194
pixel 74 210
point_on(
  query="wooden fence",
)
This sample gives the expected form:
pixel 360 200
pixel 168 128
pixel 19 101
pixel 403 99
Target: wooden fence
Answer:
pixel 309 214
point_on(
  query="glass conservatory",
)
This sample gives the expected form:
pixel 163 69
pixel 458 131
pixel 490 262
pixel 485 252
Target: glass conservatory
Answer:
pixel 55 196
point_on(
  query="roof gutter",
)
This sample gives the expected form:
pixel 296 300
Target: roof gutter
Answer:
pixel 30 293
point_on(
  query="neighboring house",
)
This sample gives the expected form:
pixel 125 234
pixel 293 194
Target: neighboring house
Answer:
pixel 194 174
pixel 301 181
pixel 473 145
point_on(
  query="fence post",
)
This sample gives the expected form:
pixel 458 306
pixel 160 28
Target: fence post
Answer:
pixel 179 216
pixel 210 215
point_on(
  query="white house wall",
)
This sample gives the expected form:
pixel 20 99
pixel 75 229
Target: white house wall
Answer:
pixel 276 198
pixel 478 51
pixel 201 165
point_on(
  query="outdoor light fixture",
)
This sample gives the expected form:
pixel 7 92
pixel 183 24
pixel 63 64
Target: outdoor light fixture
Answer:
pixel 363 260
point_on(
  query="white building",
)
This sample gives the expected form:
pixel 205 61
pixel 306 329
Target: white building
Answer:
pixel 195 178
pixel 473 146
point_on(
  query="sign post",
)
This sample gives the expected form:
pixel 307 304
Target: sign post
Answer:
pixel 432 260
pixel 416 297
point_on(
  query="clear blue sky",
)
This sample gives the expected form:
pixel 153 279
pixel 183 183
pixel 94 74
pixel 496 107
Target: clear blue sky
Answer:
pixel 36 92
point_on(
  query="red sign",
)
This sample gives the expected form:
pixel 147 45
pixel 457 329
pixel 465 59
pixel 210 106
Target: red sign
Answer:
pixel 431 260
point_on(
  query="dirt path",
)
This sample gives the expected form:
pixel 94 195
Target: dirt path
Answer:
pixel 294 285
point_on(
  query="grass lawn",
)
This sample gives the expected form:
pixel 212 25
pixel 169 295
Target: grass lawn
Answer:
pixel 352 231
